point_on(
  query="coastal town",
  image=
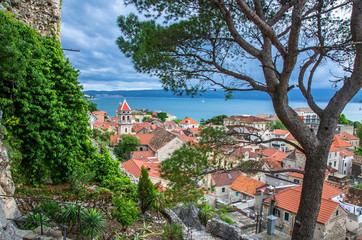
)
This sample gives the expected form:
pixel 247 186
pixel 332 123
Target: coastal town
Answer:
pixel 249 194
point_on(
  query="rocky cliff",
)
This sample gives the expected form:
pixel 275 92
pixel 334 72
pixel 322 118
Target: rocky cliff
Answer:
pixel 42 15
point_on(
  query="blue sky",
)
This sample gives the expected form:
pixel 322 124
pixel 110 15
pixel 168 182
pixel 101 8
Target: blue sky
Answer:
pixel 91 27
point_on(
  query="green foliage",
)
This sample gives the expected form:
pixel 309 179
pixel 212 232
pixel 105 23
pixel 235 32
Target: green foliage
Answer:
pixel 225 218
pixel 206 213
pixel 359 135
pixel 92 106
pixel 34 218
pixel 69 214
pixel 52 209
pixel 126 211
pixel 145 118
pixel 172 232
pixel 92 223
pixel 102 138
pixel 159 201
pixel 42 104
pixel 177 121
pixel 277 125
pixel 217 120
pixel 145 191
pixel 343 120
pixel 358 151
pixel 79 178
pixel 162 115
pixel 126 146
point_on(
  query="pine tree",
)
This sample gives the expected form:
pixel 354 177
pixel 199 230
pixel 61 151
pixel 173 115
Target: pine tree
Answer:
pixel 145 191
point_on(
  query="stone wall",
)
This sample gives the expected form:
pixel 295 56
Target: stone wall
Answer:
pixel 42 15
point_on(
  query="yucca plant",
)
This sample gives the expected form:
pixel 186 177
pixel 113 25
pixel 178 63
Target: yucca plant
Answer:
pixel 206 213
pixel 92 223
pixel 69 214
pixel 34 220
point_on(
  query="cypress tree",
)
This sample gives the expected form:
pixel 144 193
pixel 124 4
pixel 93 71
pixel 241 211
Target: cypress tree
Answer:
pixel 145 191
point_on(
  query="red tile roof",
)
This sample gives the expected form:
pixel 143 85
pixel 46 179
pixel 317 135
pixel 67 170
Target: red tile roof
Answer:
pixel 142 155
pixel 144 138
pixel 272 163
pixel 134 167
pixel 301 176
pixel 138 126
pixel 246 185
pixel 186 138
pixel 289 200
pixel 124 106
pixel 274 153
pixel 114 140
pixel 280 132
pixel 340 143
pixel 222 178
pixel 189 121
pixel 346 136
pixel 345 152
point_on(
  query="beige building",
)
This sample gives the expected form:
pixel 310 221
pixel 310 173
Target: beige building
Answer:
pixel 258 123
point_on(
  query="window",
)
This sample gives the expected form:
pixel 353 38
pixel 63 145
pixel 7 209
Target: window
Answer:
pixel 223 189
pixel 276 212
pixel 237 194
pixel 345 164
pixel 286 216
pixel 296 181
pixel 337 213
pixel 123 118
pixel 330 164
pixel 244 197
pixel 125 130
pixel 335 154
pixel 335 163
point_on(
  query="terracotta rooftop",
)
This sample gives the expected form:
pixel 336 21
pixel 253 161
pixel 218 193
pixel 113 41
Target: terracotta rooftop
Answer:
pixel 138 126
pixel 133 167
pixel 189 121
pixel 99 113
pixel 240 152
pixel 246 185
pixel 186 138
pixel 340 143
pixel 142 155
pixel 345 152
pixel 301 176
pixel 124 106
pixel 113 140
pixel 144 138
pixel 272 163
pixel 222 178
pixel 280 132
pixel 354 196
pixel 289 200
pixel 303 109
pixel 346 136
pixel 357 160
pixel 274 153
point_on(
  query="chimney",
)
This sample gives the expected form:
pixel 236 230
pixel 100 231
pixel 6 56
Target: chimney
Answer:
pixel 271 224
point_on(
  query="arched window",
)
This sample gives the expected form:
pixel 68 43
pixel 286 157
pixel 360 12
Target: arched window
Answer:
pixel 125 130
pixel 123 118
pixel 128 118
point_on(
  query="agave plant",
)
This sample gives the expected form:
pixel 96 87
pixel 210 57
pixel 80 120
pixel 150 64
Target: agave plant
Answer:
pixel 70 214
pixel 34 220
pixel 92 223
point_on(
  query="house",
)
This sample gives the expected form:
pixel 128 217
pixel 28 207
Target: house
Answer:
pixel 101 116
pixel 169 125
pixel 132 168
pixel 219 183
pixel 357 166
pixel 345 160
pixel 297 178
pixel 141 128
pixel 295 159
pixel 280 145
pixel 353 204
pixel 353 140
pixel 244 189
pixel 106 126
pixel 307 115
pixel 344 128
pixel 331 218
pixel 341 144
pixel 188 123
pixel 258 123
pixel 274 154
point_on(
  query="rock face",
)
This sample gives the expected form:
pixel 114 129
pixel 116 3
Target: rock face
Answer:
pixel 7 186
pixel 227 231
pixel 42 15
pixel 8 230
pixel 189 216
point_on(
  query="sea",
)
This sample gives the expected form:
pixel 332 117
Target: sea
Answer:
pixel 204 107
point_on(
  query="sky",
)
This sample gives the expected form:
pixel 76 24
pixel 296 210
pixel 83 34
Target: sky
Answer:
pixel 91 27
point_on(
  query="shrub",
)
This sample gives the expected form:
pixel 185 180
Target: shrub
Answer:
pixel 69 214
pixel 79 178
pixel 52 209
pixel 92 223
pixel 34 220
pixel 172 232
pixel 206 213
pixel 225 218
pixel 126 211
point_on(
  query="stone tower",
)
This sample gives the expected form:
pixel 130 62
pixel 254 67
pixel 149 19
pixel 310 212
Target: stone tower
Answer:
pixel 124 118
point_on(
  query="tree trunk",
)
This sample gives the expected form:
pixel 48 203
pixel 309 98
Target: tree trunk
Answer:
pixel 310 200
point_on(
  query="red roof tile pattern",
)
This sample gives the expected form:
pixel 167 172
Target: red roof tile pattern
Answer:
pixel 346 153
pixel 246 185
pixel 272 163
pixel 139 126
pixel 186 138
pixel 189 121
pixel 346 136
pixel 144 138
pixel 133 167
pixel 142 155
pixel 303 109
pixel 301 176
pixel 281 132
pixel 124 106
pixel 223 178
pixel 289 200
pixel 114 140
pixel 160 138
pixel 273 153
pixel 340 143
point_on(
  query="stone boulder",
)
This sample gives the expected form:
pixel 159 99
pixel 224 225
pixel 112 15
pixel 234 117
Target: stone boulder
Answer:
pixel 189 216
pixel 225 230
